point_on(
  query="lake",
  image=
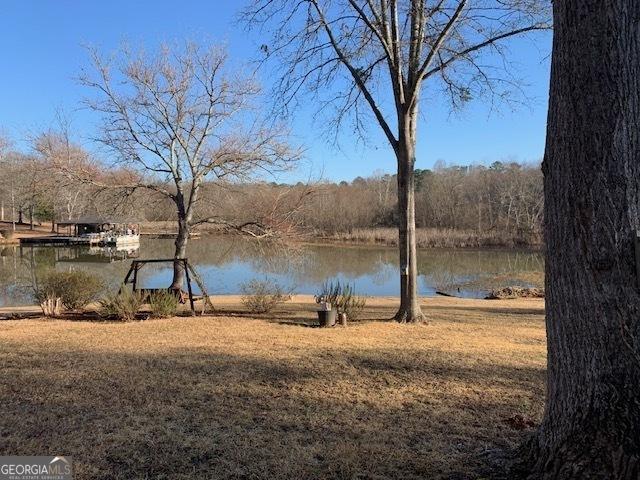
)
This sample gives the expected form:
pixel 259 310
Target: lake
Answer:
pixel 225 263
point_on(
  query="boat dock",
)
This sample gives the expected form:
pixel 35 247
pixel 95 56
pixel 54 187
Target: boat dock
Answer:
pixel 91 231
pixel 93 241
pixel 55 241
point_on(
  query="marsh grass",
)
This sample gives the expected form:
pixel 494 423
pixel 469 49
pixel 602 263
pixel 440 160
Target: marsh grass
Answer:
pixel 436 238
pixel 230 397
pixel 6 234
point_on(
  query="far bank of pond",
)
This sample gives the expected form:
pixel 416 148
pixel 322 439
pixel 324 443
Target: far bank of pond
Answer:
pixel 436 238
pixel 386 236
pixel 226 262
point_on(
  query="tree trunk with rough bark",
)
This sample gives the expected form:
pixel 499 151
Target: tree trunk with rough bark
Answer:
pixel 184 227
pixel 591 425
pixel 180 252
pixel 409 42
pixel 410 311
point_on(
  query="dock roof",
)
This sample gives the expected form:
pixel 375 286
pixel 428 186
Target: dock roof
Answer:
pixel 97 220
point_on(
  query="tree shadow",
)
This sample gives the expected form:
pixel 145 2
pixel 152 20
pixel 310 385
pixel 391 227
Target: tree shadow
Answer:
pixel 500 311
pixel 196 413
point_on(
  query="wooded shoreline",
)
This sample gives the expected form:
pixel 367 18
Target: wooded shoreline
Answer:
pixel 382 236
pixel 433 238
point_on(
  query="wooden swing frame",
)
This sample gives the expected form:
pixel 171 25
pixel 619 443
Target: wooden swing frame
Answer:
pixel 136 265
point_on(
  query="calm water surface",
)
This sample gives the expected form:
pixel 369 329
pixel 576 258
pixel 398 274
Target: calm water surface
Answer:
pixel 225 263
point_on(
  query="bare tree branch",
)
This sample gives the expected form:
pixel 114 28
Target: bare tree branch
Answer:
pixel 179 118
pixel 386 50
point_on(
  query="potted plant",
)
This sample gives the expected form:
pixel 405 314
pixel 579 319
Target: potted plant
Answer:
pixel 338 299
pixel 326 313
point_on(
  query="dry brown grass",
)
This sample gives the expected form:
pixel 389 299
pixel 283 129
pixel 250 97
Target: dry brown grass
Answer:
pixel 236 397
pixel 437 238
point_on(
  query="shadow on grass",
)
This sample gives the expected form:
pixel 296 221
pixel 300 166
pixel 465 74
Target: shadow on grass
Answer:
pixel 500 311
pixel 200 414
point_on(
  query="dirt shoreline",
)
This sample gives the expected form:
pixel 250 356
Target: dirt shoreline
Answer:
pixel 333 242
pixel 303 302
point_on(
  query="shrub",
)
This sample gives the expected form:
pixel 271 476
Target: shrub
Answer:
pixel 51 305
pixel 124 305
pixel 263 296
pixel 48 297
pixel 74 288
pixel 343 297
pixel 163 304
pixel 6 233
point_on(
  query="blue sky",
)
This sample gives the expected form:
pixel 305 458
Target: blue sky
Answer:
pixel 41 53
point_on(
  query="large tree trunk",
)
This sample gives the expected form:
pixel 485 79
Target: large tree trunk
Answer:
pixel 591 425
pixel 180 252
pixel 409 306
pixel 181 240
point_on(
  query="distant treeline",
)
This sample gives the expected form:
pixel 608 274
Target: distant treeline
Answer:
pixel 455 205
pixel 498 205
pixel 504 198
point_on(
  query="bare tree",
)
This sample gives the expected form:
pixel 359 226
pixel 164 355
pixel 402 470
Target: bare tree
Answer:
pixel 4 149
pixel 5 144
pixel 257 209
pixel 16 182
pixel 180 117
pixel 379 54
pixel 59 154
pixel 591 424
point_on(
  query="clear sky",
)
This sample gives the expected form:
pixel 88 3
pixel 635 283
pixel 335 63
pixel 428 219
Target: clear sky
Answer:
pixel 41 53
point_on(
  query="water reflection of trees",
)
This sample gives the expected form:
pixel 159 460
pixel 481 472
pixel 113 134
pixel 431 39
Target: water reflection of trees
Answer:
pixel 225 262
pixel 315 263
pixel 21 265
pixel 480 270
pixel 9 276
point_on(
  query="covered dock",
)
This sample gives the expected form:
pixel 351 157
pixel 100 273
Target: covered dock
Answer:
pixel 92 230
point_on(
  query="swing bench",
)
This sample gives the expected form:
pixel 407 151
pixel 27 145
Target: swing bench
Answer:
pixel 136 265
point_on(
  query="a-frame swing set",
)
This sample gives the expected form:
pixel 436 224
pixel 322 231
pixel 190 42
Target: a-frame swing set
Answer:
pixel 190 272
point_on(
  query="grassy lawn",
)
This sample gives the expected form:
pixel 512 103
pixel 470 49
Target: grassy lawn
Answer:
pixel 236 397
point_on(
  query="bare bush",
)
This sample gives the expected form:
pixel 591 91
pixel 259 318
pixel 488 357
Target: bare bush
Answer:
pixel 263 296
pixel 75 289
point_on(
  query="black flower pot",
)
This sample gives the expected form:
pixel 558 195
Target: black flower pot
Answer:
pixel 327 318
